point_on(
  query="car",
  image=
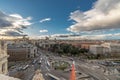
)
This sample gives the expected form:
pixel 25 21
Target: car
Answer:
pixel 40 58
pixel 13 67
pixel 20 68
pixel 48 64
pixel 71 59
pixel 67 70
pixel 25 67
pixel 39 62
pixel 34 61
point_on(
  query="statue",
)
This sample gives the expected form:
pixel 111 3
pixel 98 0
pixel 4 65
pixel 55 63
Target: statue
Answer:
pixel 38 75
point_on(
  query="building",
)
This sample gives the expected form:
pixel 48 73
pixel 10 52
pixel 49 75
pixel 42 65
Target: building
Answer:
pixel 86 45
pixel 3 58
pixel 96 49
pixel 45 44
pixel 113 47
pixel 82 44
pixel 21 51
pixel 105 48
pixel 4 77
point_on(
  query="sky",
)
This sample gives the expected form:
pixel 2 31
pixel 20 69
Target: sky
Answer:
pixel 73 19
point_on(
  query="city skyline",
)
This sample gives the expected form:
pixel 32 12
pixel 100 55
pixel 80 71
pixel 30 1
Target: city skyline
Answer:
pixel 91 19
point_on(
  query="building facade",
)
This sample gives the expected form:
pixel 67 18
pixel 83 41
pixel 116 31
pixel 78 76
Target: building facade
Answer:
pixel 21 51
pixel 4 77
pixel 96 49
pixel 112 48
pixel 3 58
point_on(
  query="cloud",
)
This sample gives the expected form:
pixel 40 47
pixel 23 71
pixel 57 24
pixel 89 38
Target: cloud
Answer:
pixel 60 35
pixel 64 35
pixel 39 37
pixel 13 24
pixel 10 32
pixel 71 36
pixel 45 19
pixel 86 37
pixel 105 14
pixel 43 31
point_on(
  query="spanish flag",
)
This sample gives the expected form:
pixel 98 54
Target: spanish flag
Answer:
pixel 73 76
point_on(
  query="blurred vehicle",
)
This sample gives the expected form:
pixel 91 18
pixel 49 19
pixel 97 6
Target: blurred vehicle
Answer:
pixel 40 58
pixel 20 68
pixel 67 70
pixel 12 67
pixel 34 61
pixel 48 64
pixel 39 62
pixel 71 59
pixel 25 67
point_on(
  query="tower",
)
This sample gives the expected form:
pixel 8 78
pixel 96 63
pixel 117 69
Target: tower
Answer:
pixel 73 75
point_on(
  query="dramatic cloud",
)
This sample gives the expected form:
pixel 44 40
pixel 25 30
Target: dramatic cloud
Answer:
pixel 64 35
pixel 105 14
pixel 13 24
pixel 10 32
pixel 43 31
pixel 45 19
pixel 86 37
pixel 71 36
pixel 39 37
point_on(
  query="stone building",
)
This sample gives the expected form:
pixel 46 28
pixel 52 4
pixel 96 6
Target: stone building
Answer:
pixel 4 77
pixel 45 44
pixel 21 51
pixel 113 47
pixel 3 58
pixel 96 49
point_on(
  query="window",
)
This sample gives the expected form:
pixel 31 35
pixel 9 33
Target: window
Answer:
pixel 28 56
pixel 3 67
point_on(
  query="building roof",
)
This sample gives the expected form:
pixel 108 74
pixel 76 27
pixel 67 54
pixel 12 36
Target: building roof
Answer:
pixel 96 46
pixel 20 45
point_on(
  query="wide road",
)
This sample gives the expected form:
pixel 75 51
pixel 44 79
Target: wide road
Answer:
pixel 45 68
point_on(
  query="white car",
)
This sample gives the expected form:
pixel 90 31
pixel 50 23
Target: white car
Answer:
pixel 20 68
pixel 34 61
pixel 40 58
pixel 39 62
pixel 25 67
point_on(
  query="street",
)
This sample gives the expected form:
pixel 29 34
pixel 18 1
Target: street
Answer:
pixel 44 63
